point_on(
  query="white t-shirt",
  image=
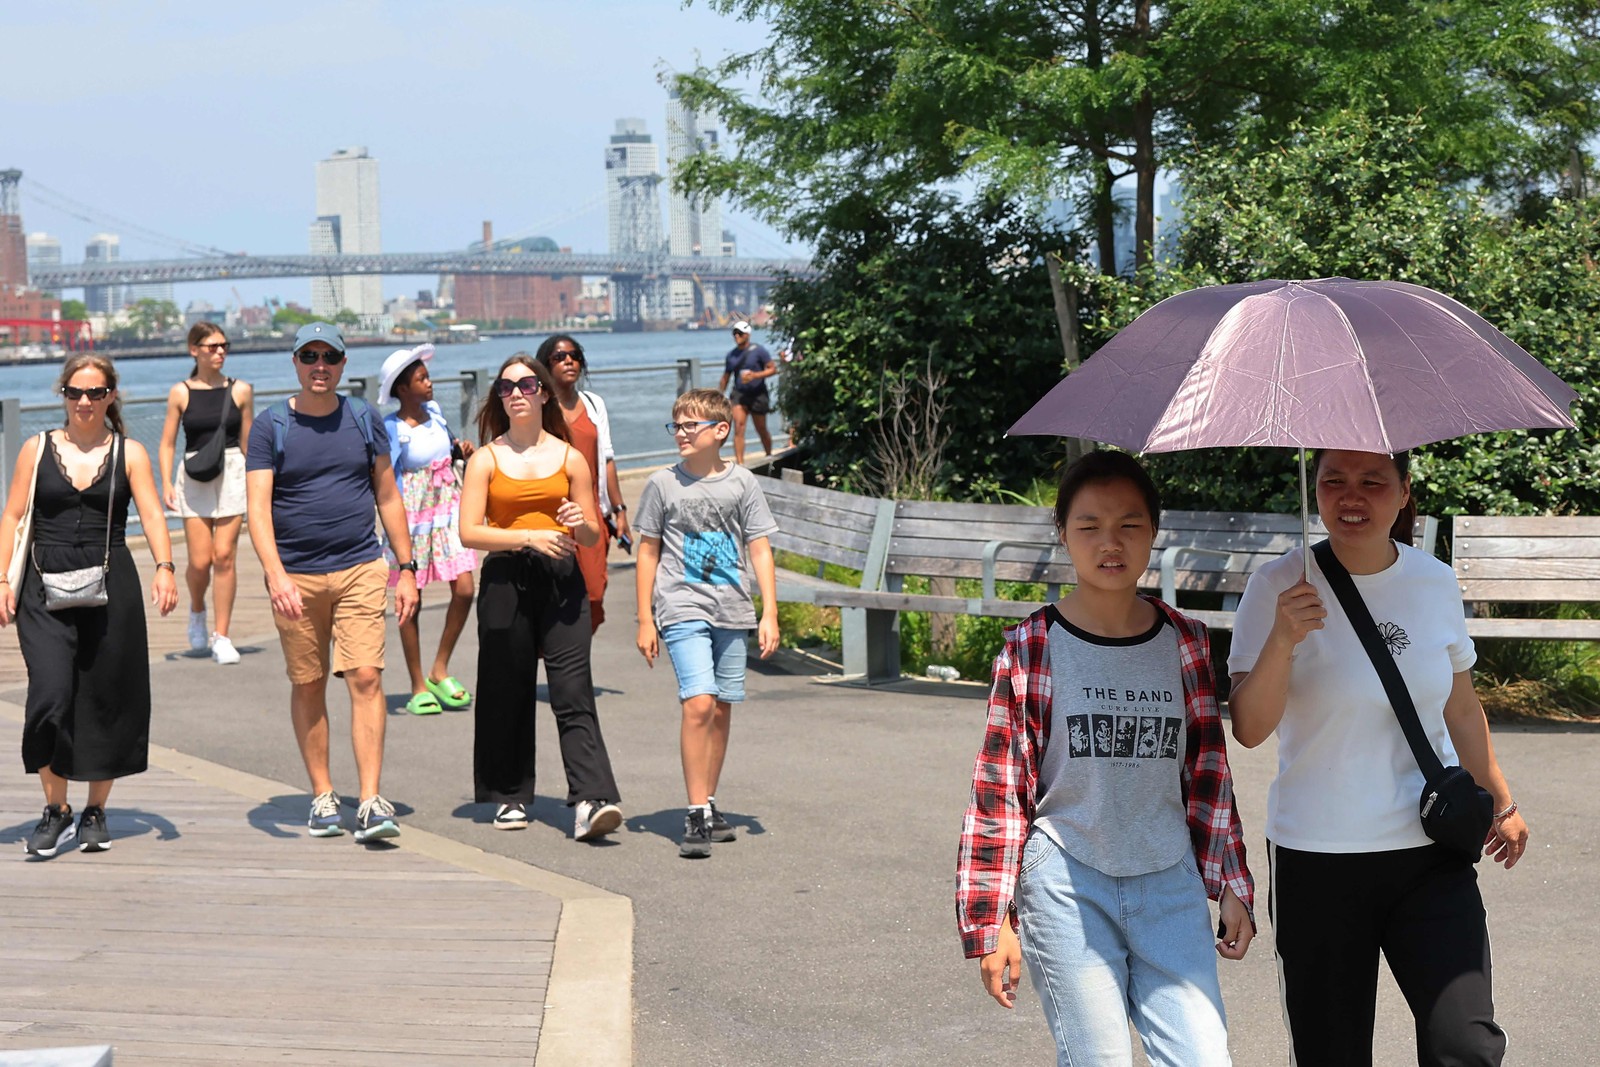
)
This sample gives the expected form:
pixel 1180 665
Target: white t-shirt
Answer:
pixel 1347 781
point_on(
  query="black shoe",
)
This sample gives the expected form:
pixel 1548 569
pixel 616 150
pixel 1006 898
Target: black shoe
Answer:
pixel 720 830
pixel 53 831
pixel 92 833
pixel 696 843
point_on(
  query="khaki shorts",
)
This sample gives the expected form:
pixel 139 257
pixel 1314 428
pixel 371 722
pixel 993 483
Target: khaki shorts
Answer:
pixel 345 607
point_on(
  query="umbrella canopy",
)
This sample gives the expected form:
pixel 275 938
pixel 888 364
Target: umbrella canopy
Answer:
pixel 1332 363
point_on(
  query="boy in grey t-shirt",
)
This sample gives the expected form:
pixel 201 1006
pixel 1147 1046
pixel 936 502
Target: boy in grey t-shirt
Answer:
pixel 703 526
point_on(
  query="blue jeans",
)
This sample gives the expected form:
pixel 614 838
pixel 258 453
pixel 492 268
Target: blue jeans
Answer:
pixel 1102 950
pixel 707 659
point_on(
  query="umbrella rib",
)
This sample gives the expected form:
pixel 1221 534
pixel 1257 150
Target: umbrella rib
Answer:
pixel 1366 373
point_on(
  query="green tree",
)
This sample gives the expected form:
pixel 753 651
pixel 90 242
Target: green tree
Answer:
pixel 149 317
pixel 346 317
pixel 74 310
pixel 288 318
pixel 1046 99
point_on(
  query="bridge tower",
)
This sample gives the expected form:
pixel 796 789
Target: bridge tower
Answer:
pixel 13 242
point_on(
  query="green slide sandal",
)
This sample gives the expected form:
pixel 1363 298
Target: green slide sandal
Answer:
pixel 423 704
pixel 451 693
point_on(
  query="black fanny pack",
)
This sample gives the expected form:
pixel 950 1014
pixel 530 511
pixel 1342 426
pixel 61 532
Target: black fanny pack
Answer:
pixel 1456 812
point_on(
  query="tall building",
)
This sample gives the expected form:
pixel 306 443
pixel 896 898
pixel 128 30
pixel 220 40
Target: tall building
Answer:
pixel 633 204
pixel 161 292
pixel 694 224
pixel 13 246
pixel 43 251
pixel 347 224
pixel 103 299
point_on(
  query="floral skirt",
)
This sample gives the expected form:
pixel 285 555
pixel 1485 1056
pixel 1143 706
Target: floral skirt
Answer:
pixel 432 498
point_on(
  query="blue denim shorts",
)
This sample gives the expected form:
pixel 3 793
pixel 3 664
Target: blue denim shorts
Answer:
pixel 707 659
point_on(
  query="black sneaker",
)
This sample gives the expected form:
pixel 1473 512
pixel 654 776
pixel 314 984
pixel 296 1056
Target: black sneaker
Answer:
pixel 696 843
pixel 92 833
pixel 53 831
pixel 720 830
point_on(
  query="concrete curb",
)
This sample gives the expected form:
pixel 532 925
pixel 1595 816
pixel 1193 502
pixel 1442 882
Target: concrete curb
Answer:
pixel 588 1011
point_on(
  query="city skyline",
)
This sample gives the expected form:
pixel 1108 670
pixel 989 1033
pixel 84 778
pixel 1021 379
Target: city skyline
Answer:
pixel 497 112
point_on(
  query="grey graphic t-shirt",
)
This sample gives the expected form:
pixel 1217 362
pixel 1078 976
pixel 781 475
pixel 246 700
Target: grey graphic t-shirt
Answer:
pixel 705 525
pixel 1110 781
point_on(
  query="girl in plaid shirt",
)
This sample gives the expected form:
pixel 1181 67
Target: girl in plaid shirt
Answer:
pixel 1102 813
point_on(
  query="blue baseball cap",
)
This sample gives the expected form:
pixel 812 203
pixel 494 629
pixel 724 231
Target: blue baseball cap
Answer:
pixel 326 332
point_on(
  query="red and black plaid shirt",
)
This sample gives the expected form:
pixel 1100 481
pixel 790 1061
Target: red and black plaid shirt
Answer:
pixel 1005 782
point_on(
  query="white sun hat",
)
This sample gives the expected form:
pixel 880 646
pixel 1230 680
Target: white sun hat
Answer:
pixel 395 365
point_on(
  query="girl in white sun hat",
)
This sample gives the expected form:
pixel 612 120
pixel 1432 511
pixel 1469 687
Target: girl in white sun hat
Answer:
pixel 423 451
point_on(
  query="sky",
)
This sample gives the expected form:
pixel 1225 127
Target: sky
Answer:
pixel 204 121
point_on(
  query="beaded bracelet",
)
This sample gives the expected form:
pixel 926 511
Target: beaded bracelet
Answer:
pixel 1511 810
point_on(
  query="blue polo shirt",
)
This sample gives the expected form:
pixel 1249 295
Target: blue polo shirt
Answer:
pixel 324 510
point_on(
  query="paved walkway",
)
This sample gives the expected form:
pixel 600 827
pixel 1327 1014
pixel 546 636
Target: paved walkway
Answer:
pixel 826 933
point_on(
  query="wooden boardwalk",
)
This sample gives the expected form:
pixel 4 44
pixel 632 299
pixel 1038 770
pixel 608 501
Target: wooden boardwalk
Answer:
pixel 215 931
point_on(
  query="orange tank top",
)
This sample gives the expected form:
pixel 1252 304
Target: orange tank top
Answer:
pixel 525 503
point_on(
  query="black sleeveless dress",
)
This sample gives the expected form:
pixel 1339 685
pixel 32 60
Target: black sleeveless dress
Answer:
pixel 88 708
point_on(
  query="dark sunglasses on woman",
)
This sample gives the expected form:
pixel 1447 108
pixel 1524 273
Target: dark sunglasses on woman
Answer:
pixel 216 346
pixel 563 356
pixel 94 392
pixel 332 359
pixel 529 386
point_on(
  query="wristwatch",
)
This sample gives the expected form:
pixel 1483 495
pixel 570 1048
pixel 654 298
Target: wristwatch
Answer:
pixel 619 509
pixel 166 565
pixel 409 565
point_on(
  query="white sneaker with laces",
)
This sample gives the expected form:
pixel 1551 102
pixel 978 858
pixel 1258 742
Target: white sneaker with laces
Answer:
pixel 222 650
pixel 199 636
pixel 594 818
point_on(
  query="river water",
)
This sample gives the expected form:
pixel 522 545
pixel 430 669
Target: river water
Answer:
pixel 638 403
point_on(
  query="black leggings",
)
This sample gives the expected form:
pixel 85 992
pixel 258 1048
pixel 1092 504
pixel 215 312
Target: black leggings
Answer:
pixel 1331 916
pixel 530 606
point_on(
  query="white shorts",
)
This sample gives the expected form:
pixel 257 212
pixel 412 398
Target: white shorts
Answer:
pixel 220 498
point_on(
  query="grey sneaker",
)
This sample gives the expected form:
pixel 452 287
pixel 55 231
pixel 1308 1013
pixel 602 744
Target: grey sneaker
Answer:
pixel 696 843
pixel 53 830
pixel 594 818
pixel 720 830
pixel 199 635
pixel 325 819
pixel 375 820
pixel 92 833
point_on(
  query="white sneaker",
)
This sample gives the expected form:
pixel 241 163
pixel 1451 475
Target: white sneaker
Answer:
pixel 594 818
pixel 511 817
pixel 222 650
pixel 199 636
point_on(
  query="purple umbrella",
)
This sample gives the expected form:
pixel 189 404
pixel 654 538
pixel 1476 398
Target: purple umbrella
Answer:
pixel 1332 363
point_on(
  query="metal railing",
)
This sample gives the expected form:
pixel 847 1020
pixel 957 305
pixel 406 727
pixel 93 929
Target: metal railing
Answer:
pixel 457 394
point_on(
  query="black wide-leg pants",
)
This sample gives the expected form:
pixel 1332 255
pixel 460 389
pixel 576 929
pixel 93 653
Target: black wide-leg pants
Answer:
pixel 1331 916
pixel 531 606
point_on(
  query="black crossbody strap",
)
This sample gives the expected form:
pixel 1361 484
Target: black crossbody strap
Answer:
pixel 1344 587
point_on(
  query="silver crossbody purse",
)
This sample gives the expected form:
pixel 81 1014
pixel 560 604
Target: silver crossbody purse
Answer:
pixel 86 586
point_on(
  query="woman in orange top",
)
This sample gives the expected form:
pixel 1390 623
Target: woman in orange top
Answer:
pixel 528 501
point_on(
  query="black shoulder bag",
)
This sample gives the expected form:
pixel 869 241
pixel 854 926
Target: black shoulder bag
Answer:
pixel 207 461
pixel 1456 813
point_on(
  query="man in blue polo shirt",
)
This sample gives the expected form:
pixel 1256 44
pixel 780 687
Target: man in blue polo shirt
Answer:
pixel 316 467
pixel 748 366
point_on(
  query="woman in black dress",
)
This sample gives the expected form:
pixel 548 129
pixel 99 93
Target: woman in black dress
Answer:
pixel 213 511
pixel 88 710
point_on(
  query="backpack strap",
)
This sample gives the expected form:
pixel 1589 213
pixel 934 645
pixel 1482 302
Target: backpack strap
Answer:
pixel 278 415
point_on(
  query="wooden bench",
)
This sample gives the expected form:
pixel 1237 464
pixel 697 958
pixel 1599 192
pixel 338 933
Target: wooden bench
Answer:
pixel 1196 552
pixel 1528 559
pixel 831 527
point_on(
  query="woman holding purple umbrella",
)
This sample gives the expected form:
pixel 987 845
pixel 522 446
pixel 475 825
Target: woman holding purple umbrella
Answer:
pixel 1352 872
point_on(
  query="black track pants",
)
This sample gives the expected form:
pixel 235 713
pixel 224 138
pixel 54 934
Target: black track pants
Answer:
pixel 1331 916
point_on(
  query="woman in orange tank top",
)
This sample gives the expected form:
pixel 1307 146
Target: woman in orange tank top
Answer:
pixel 528 501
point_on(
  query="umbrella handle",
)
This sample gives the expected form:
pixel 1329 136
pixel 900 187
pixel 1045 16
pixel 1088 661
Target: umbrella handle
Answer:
pixel 1305 521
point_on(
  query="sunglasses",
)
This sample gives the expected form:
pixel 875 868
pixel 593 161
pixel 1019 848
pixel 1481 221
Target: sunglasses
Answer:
pixel 309 358
pixel 216 346
pixel 689 428
pixel 562 357
pixel 94 392
pixel 503 387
